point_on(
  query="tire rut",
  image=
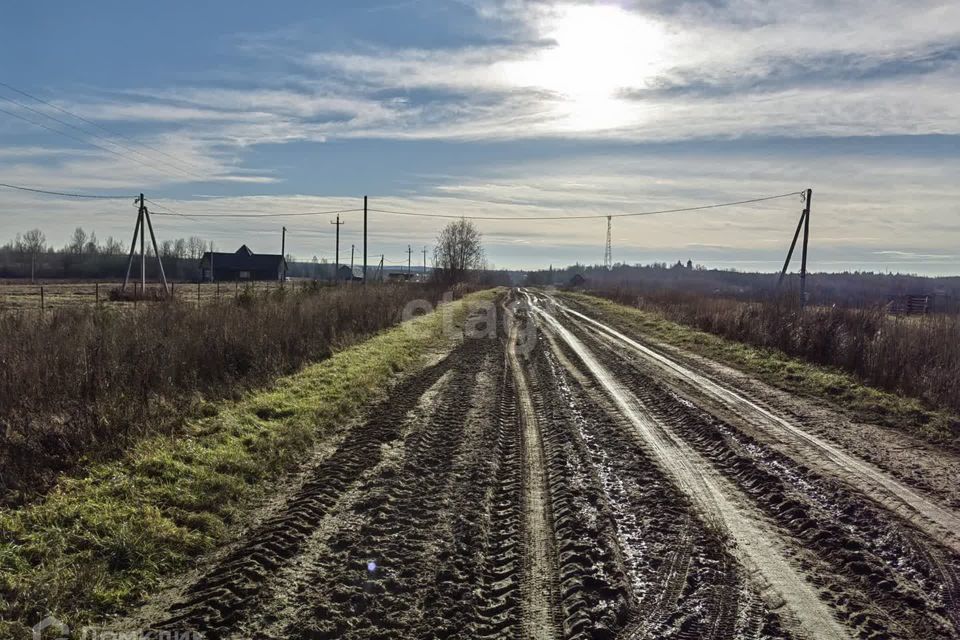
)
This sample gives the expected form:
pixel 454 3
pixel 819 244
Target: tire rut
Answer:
pixel 683 582
pixel 884 580
pixel 759 547
pixel 394 563
pixel 221 599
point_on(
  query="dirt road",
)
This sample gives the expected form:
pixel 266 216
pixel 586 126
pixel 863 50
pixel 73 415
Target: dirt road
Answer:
pixel 565 479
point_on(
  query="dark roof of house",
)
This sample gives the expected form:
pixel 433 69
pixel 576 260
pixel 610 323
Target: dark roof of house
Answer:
pixel 243 259
pixel 325 271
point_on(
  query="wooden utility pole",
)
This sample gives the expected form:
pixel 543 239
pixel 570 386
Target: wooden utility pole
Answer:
pixel 351 260
pixel 409 252
pixel 380 268
pixel 283 253
pixel 143 223
pixel 364 239
pixel 424 263
pixel 803 255
pixel 143 253
pixel 804 224
pixel 133 243
pixel 336 252
pixel 156 250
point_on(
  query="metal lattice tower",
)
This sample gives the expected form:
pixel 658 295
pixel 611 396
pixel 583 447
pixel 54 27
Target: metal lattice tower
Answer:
pixel 608 253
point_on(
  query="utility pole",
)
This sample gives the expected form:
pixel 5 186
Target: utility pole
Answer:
pixel 153 241
pixel 364 239
pixel 351 260
pixel 608 252
pixel 409 252
pixel 380 268
pixel 143 223
pixel 283 253
pixel 424 263
pixel 803 223
pixel 336 265
pixel 133 243
pixel 803 255
pixel 143 253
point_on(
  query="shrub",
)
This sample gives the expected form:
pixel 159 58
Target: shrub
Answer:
pixel 916 356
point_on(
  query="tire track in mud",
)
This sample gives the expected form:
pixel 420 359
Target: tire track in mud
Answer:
pixel 499 613
pixel 223 597
pixel 938 522
pixel 684 583
pixel 885 580
pixel 539 585
pixel 759 547
pixel 393 567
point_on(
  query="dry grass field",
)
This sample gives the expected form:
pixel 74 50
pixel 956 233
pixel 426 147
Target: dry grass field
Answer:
pixel 22 295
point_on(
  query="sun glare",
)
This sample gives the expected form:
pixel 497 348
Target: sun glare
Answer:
pixel 596 52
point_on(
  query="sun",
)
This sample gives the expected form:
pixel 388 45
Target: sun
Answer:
pixel 595 53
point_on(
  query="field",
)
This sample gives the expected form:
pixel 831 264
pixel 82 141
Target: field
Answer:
pixel 21 295
pixel 522 464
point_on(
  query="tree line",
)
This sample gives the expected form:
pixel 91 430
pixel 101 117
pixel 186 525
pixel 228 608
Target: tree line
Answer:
pixel 29 255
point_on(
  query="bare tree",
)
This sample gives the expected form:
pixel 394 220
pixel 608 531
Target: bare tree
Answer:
pixel 195 247
pixel 91 247
pixel 78 241
pixel 33 242
pixel 180 248
pixel 112 247
pixel 458 251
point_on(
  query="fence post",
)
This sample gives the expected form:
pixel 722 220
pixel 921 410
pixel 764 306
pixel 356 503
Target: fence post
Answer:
pixel 96 294
pixel 41 301
pixel 198 292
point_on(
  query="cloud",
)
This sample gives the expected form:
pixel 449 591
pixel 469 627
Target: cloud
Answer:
pixel 631 75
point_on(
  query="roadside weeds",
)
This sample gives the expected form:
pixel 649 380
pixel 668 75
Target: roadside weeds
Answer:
pixel 841 390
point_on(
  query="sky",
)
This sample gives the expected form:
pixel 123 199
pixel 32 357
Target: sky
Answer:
pixel 495 108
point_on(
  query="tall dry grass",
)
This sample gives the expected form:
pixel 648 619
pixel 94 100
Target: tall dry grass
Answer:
pixel 82 382
pixel 916 356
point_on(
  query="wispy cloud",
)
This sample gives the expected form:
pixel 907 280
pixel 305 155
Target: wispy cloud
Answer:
pixel 622 73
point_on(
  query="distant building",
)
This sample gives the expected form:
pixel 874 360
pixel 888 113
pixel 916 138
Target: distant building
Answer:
pixel 243 264
pixel 401 276
pixel 329 271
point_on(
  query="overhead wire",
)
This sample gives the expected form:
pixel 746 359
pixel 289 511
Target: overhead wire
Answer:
pixel 586 216
pixel 174 212
pixel 101 127
pixel 100 137
pixel 64 194
pixel 72 137
pixel 250 215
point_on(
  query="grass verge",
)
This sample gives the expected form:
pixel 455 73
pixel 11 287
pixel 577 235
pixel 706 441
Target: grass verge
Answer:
pixel 839 389
pixel 100 543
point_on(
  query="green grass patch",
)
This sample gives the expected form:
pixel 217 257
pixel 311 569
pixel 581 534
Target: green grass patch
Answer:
pixel 102 542
pixel 839 389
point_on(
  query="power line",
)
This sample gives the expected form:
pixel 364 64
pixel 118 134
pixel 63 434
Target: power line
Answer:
pixel 64 133
pixel 250 215
pixel 404 213
pixel 99 137
pixel 102 128
pixel 586 216
pixel 63 194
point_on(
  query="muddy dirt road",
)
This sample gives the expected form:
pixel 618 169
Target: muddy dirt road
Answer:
pixel 561 478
